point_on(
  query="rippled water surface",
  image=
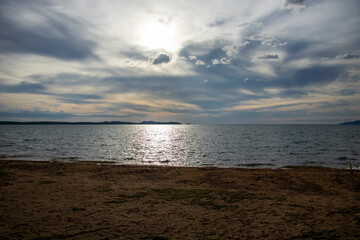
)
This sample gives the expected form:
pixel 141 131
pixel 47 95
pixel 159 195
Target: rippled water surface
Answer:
pixel 186 145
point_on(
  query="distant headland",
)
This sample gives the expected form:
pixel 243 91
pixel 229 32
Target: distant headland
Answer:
pixel 84 123
pixel 357 122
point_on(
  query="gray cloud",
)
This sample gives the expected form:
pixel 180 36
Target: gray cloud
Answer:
pixel 199 62
pixel 134 53
pixel 81 96
pixel 15 115
pixel 36 88
pixel 23 87
pixel 295 2
pixel 349 92
pixel 208 53
pixel 67 79
pixel 269 57
pixel 220 61
pixel 12 115
pixel 348 56
pixel 291 80
pixel 266 40
pixel 166 19
pixel 161 58
pixel 77 98
pixel 293 93
pixel 312 76
pixel 295 5
pixel 137 53
pixel 57 35
pixel 218 23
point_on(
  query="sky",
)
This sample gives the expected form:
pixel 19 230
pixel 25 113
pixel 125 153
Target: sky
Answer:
pixel 202 62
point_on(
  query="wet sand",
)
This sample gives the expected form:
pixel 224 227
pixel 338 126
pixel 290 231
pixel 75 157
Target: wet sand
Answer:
pixel 53 200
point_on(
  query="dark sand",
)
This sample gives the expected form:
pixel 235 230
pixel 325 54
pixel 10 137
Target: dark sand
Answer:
pixel 44 200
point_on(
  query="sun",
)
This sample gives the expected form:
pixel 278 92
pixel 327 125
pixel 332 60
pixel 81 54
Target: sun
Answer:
pixel 158 35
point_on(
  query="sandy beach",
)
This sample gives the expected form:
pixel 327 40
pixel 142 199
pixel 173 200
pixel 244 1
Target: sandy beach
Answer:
pixel 55 200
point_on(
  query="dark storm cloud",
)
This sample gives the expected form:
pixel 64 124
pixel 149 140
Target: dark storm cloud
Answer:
pixel 269 57
pixel 161 58
pixel 23 87
pixel 55 35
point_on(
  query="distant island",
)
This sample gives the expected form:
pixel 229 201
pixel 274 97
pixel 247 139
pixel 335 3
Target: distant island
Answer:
pixel 83 123
pixel 357 122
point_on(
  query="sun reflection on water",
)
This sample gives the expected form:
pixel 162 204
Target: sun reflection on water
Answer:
pixel 158 144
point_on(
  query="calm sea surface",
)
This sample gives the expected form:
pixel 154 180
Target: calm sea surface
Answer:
pixel 186 145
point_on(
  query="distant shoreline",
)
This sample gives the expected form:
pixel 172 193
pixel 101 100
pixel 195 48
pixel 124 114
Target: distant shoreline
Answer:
pixel 357 122
pixel 86 123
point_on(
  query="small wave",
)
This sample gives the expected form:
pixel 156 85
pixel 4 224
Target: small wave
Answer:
pixel 6 145
pixel 21 155
pixel 300 142
pixel 30 140
pixel 255 165
pixel 311 163
pixel 294 153
pixel 206 164
pixel 344 158
pixel 66 159
pixel 164 161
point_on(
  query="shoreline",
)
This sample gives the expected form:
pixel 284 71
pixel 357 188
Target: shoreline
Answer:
pixel 239 166
pixel 57 200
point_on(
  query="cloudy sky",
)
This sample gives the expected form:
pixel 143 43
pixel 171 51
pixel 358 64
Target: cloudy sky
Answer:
pixel 228 61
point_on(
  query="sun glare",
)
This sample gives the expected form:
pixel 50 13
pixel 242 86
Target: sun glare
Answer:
pixel 154 34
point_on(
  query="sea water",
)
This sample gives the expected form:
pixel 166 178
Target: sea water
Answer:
pixel 270 146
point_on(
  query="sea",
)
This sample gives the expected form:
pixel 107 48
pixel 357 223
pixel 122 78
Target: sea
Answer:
pixel 235 146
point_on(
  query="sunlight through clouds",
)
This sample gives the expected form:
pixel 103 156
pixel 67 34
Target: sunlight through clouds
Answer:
pixel 186 61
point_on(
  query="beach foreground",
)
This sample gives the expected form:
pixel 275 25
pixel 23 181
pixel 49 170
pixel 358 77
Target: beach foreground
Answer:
pixel 54 200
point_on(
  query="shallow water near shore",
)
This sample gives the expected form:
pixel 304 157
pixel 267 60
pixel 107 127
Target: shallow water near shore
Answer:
pixel 260 146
